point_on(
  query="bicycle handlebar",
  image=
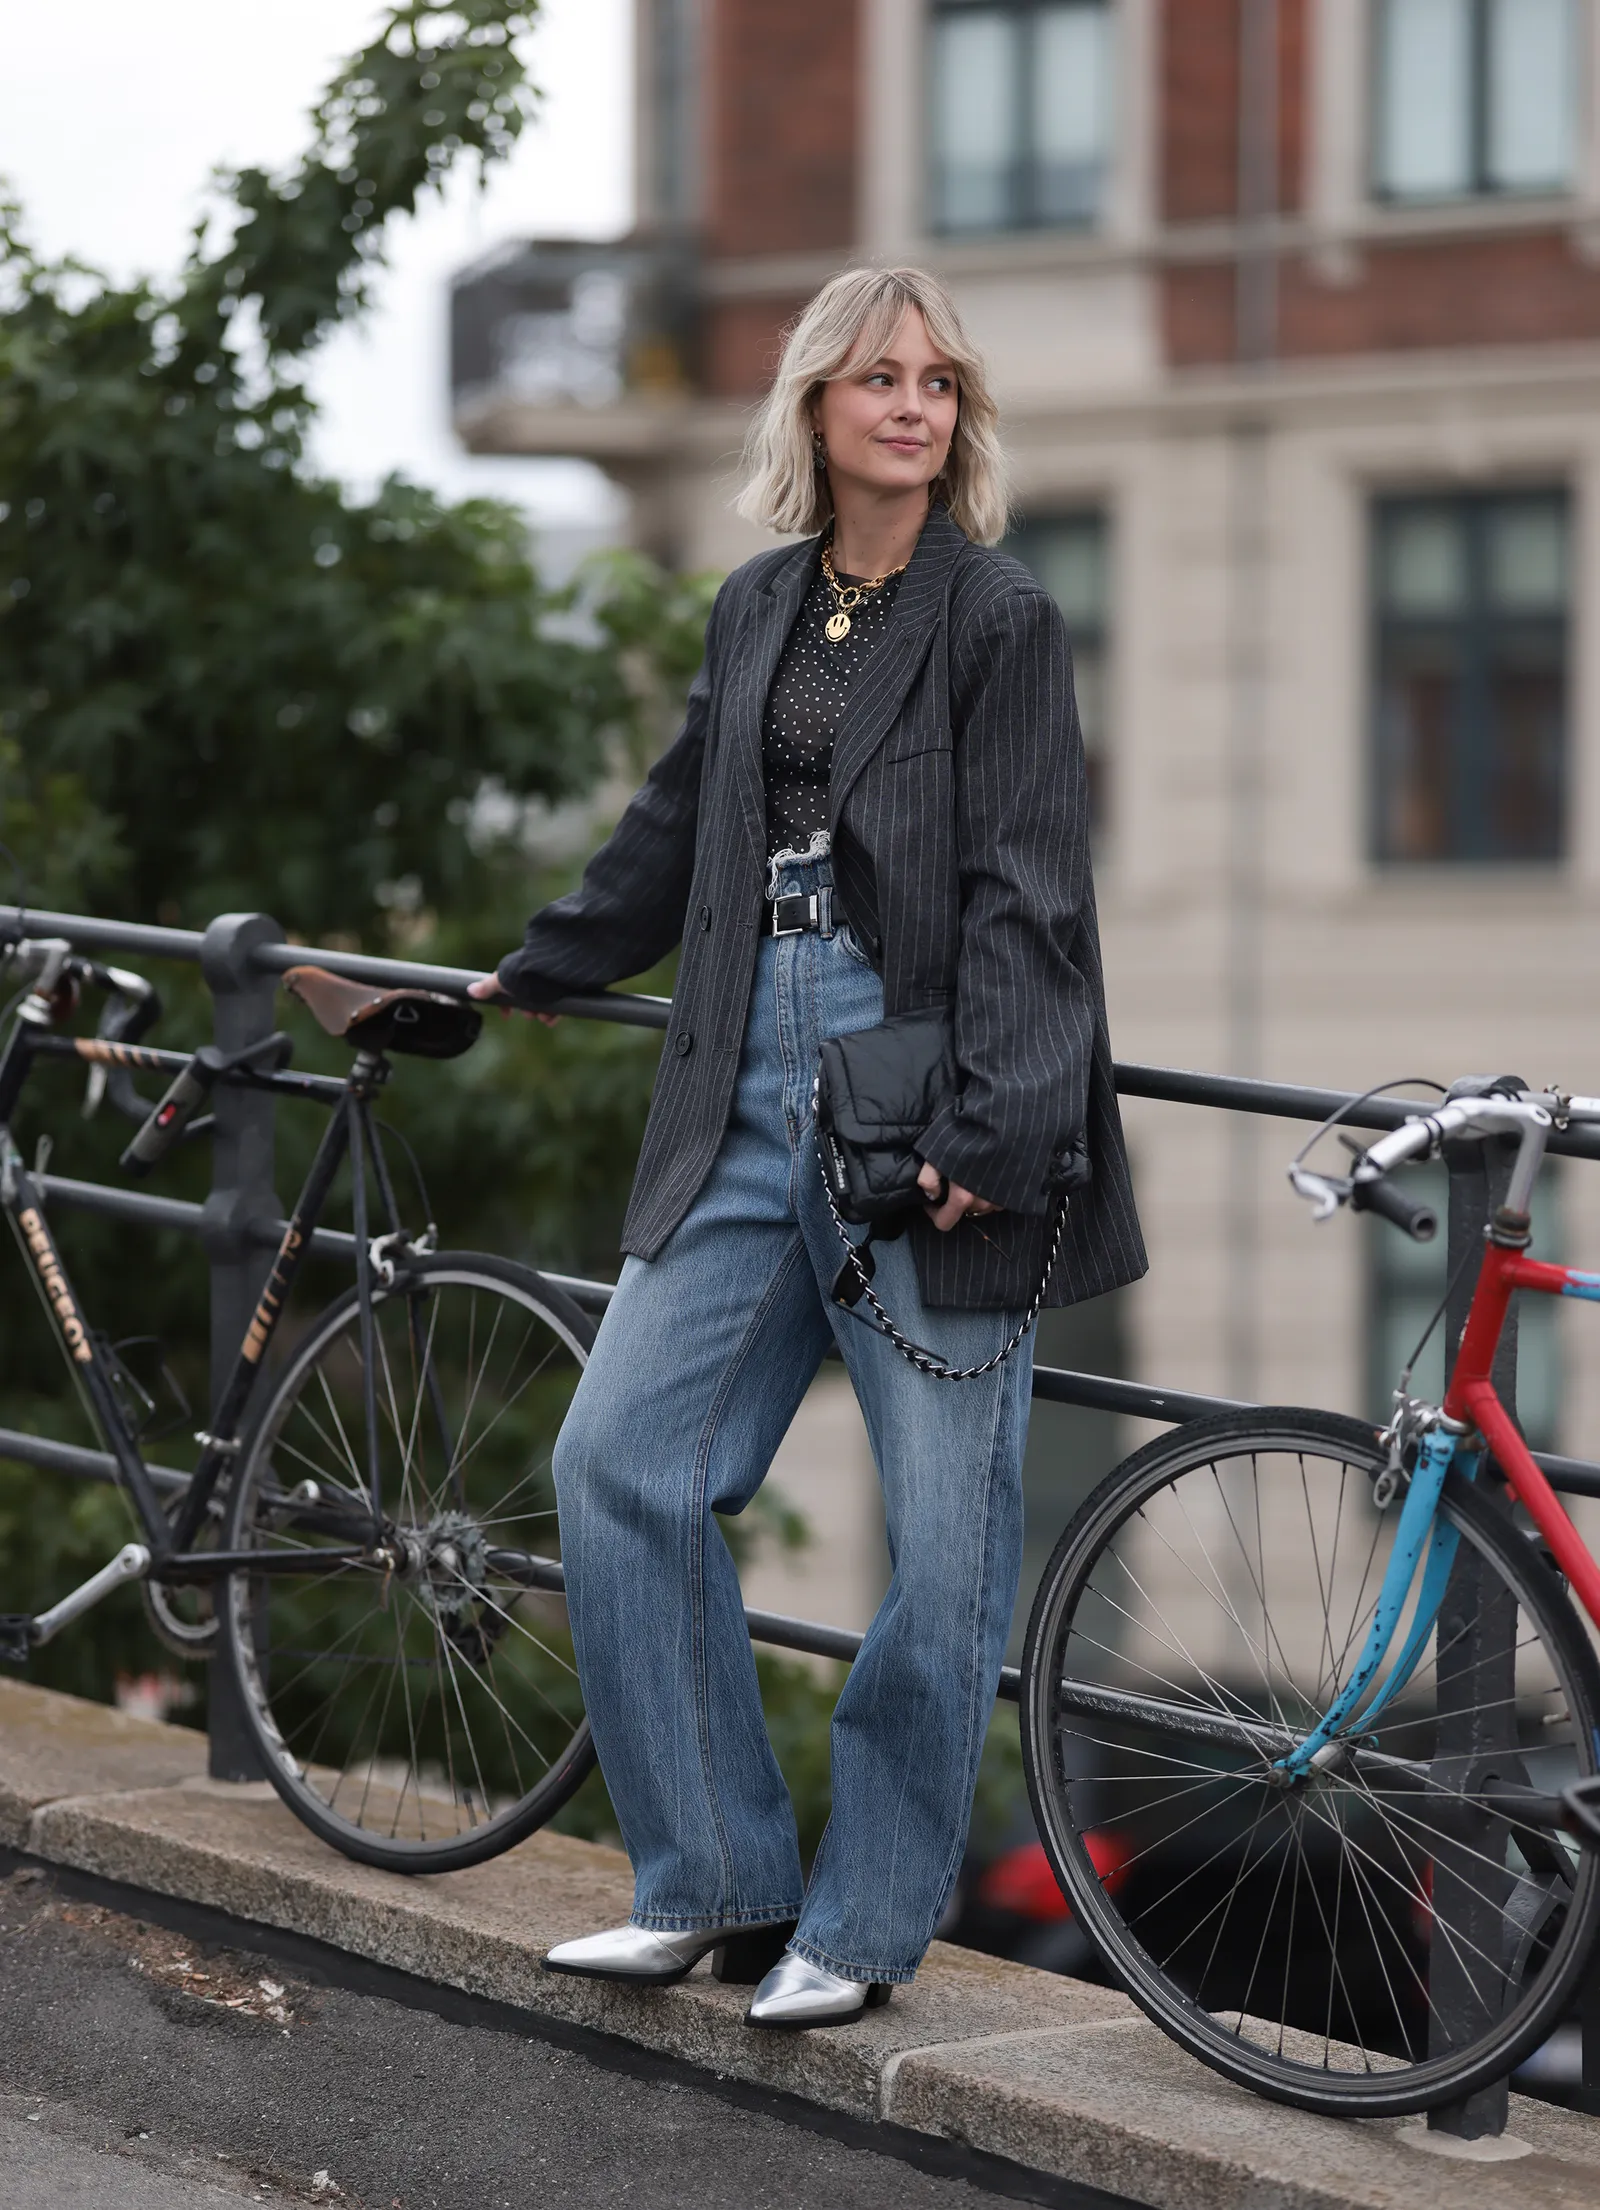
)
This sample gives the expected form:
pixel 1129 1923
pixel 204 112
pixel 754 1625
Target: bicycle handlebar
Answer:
pixel 1368 1188
pixel 55 973
pixel 1462 1116
pixel 45 961
pixel 1376 1193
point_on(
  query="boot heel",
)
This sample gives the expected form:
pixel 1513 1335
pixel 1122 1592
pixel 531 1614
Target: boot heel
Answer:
pixel 878 1994
pixel 746 1959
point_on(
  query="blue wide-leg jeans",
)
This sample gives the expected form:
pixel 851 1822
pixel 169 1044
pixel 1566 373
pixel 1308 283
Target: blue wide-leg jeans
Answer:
pixel 701 1362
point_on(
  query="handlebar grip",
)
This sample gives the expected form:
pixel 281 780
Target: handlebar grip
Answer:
pixel 1380 1195
pixel 186 1093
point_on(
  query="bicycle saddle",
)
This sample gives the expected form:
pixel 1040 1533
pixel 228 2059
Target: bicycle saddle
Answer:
pixel 424 1023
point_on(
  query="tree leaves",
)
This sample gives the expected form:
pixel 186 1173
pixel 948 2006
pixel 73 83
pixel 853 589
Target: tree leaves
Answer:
pixel 277 695
pixel 226 684
pixel 437 84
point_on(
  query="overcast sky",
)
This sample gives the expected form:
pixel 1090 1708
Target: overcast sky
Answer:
pixel 114 112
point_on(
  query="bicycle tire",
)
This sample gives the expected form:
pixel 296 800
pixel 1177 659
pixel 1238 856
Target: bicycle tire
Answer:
pixel 1127 1787
pixel 458 1625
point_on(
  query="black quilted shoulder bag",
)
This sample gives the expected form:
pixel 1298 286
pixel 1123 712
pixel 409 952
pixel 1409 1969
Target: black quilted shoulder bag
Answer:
pixel 876 1093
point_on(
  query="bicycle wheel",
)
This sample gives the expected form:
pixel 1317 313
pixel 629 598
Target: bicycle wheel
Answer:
pixel 1373 1941
pixel 426 1716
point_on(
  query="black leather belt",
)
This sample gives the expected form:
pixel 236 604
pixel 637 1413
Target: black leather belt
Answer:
pixel 806 913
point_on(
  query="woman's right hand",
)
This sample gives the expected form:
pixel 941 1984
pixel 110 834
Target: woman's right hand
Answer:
pixel 488 991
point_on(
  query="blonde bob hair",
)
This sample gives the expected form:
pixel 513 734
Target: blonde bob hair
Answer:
pixel 854 318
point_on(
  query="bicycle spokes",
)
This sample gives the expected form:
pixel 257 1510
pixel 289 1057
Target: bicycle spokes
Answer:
pixel 430 1693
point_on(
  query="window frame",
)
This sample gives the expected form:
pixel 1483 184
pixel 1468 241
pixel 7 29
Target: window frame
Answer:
pixel 1481 184
pixel 1476 626
pixel 1023 168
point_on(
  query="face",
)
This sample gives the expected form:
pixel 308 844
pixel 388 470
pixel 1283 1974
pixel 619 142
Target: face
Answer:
pixel 887 423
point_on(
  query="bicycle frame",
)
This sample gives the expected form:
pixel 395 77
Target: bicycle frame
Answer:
pixel 168 1543
pixel 1471 1420
pixel 1471 1399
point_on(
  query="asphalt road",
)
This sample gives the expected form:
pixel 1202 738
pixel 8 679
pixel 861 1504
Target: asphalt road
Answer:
pixel 143 2070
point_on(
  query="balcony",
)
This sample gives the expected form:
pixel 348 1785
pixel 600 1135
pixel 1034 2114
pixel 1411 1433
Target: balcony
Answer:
pixel 578 348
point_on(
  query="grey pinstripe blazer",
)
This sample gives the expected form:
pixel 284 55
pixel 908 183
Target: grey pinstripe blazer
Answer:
pixel 960 836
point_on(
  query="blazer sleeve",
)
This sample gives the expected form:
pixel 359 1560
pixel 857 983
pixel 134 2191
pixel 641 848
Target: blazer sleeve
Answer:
pixel 628 911
pixel 1025 1006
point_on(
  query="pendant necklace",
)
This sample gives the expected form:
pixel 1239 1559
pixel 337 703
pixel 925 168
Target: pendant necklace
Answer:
pixel 848 596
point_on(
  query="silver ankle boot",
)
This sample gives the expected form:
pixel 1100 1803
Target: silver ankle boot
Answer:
pixel 796 1994
pixel 650 1958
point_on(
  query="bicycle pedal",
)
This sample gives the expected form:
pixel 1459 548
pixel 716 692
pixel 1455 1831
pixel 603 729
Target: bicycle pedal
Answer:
pixel 16 1637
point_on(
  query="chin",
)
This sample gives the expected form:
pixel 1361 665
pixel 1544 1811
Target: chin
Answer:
pixel 908 476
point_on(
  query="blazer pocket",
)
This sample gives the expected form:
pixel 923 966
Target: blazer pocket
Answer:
pixel 914 745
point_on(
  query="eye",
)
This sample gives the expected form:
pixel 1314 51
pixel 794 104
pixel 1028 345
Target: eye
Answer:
pixel 880 376
pixel 942 383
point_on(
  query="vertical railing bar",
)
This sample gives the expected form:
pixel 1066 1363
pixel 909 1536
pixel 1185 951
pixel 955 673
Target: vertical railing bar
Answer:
pixel 1476 1666
pixel 238 1222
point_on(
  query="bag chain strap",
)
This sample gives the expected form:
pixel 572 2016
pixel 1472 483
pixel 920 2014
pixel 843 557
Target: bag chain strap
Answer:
pixel 926 1361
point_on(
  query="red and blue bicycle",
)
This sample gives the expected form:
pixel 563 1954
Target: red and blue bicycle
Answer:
pixel 1336 1690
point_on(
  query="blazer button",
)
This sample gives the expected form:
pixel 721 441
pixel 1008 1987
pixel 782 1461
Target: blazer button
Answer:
pixel 705 919
pixel 683 1044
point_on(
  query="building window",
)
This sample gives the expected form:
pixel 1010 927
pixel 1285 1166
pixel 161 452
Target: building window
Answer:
pixel 1068 554
pixel 1471 667
pixel 1474 96
pixel 1020 121
pixel 1407 1282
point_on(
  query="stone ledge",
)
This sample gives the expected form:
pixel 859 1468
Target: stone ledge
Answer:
pixel 53 1746
pixel 1067 2079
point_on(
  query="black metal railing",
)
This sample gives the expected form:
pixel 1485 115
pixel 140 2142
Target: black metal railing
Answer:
pixel 240 957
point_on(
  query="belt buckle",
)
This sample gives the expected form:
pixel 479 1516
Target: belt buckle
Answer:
pixel 808 908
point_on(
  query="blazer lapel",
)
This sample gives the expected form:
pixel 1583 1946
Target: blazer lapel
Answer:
pixel 773 609
pixel 877 697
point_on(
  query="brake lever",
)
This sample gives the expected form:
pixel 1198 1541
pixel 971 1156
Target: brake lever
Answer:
pixel 1324 1192
pixel 133 1008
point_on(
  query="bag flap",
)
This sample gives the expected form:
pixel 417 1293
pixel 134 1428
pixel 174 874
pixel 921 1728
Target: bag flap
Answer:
pixel 882 1086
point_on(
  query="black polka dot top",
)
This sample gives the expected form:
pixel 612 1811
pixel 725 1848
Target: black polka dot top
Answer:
pixel 805 702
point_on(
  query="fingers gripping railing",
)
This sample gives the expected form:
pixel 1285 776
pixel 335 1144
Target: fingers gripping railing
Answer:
pixel 240 1224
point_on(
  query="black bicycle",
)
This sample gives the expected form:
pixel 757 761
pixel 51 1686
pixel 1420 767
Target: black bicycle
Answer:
pixel 368 1537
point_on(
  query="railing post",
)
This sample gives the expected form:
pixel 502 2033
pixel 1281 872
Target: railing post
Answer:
pixel 242 1203
pixel 1476 1675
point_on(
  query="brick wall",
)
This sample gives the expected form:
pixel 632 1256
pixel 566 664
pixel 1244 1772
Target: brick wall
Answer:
pixel 1521 290
pixel 782 125
pixel 1294 100
pixel 741 340
pixel 1199 89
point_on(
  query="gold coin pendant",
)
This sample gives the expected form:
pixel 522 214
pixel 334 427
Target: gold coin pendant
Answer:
pixel 838 626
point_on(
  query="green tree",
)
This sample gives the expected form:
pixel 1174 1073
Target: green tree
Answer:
pixel 227 683
pixel 271 690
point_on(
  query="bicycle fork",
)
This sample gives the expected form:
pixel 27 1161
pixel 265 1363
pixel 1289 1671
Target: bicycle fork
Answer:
pixel 1420 1514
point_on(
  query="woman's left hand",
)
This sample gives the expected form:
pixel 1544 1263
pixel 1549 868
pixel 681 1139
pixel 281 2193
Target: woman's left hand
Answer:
pixel 958 1204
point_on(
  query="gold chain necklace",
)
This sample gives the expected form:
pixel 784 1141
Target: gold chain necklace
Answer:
pixel 849 595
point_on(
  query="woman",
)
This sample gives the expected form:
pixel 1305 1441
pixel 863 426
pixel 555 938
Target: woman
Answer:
pixel 876 804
